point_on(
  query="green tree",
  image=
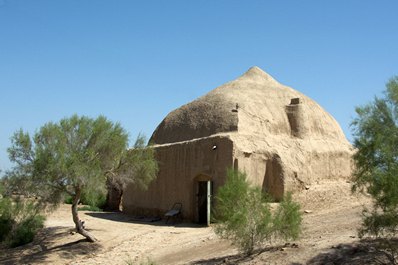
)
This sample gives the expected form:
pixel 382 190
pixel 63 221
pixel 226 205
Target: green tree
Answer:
pixel 243 214
pixel 75 155
pixel 137 165
pixel 376 159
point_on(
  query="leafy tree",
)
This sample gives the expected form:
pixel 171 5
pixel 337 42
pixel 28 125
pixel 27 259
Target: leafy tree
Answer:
pixel 244 215
pixel 137 164
pixel 376 161
pixel 74 156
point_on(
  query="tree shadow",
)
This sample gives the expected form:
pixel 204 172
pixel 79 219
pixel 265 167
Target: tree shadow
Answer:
pixel 365 251
pixel 44 244
pixel 127 218
pixel 237 258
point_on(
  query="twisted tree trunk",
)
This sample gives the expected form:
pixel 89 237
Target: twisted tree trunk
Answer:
pixel 78 223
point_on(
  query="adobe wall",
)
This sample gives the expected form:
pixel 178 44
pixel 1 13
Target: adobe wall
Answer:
pixel 292 169
pixel 181 164
pixel 264 169
pixel 322 165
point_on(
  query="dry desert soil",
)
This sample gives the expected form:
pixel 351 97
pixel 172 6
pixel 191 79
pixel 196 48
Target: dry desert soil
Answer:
pixel 331 217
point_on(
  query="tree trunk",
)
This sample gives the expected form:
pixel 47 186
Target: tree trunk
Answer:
pixel 78 223
pixel 114 195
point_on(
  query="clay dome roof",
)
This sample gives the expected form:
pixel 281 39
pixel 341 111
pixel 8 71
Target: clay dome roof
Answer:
pixel 254 104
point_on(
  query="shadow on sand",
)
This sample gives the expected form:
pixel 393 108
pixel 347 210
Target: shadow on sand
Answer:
pixel 361 252
pixel 39 250
pixel 237 258
pixel 155 221
pixel 365 251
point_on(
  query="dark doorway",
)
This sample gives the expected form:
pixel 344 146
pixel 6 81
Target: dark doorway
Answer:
pixel 204 203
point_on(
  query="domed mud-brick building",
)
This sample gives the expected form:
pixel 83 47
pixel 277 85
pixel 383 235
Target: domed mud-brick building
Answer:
pixel 281 138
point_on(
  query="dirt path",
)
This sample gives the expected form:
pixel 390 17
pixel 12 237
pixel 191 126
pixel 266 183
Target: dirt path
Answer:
pixel 331 222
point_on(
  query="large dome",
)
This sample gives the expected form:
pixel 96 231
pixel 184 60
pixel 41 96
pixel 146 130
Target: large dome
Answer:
pixel 282 140
pixel 255 104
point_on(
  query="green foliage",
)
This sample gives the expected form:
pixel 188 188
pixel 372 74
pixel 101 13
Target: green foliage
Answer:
pixel 25 231
pixel 376 161
pixel 74 157
pixel 19 221
pixel 6 225
pixel 138 165
pixel 2 188
pixel 6 218
pixel 144 166
pixel 244 215
pixel 77 152
pixel 287 219
pixel 68 199
pixel 94 199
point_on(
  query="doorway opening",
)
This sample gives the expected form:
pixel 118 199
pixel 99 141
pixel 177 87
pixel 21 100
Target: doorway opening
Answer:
pixel 204 192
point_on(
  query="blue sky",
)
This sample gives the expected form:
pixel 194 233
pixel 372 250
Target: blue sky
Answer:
pixel 135 61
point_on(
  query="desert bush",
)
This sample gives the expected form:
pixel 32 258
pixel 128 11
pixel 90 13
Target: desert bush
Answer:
pixel 243 214
pixel 287 219
pixel 19 221
pixel 25 231
pixel 6 225
pixel 68 199
pixel 6 221
pixel 95 200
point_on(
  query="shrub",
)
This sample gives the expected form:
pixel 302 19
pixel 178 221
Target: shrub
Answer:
pixel 19 221
pixel 244 215
pixel 25 231
pixel 287 219
pixel 6 225
pixel 68 199
pixel 95 200
pixel 6 221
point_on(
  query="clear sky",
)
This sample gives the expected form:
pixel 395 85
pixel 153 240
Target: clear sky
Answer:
pixel 135 61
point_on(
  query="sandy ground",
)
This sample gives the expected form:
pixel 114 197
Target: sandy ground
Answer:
pixel 331 219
